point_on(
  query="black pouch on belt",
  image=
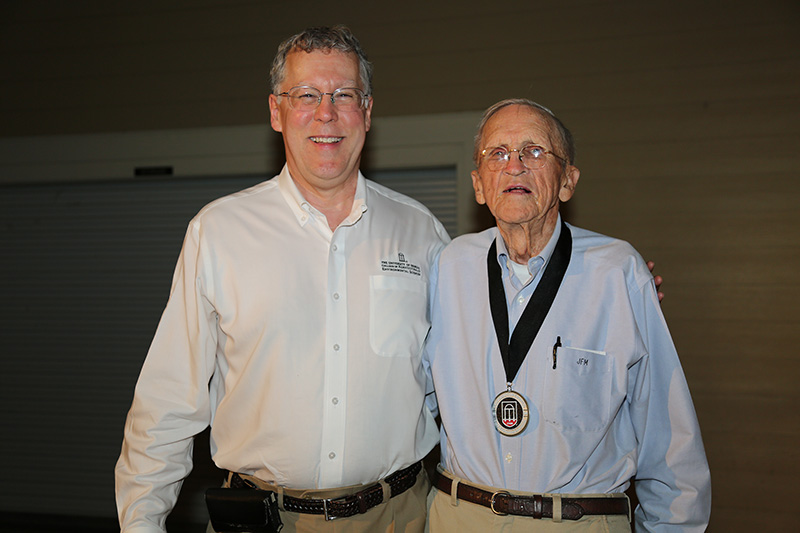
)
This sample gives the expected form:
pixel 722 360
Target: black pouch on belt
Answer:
pixel 243 510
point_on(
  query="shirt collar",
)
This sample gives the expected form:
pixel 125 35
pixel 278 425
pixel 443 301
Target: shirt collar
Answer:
pixel 304 211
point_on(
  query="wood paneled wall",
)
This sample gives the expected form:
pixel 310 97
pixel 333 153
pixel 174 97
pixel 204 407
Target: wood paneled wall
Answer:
pixel 686 114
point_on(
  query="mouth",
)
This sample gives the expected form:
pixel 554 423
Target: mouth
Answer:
pixel 518 189
pixel 326 140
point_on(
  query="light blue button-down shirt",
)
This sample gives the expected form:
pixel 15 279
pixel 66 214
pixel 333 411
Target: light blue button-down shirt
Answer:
pixel 616 406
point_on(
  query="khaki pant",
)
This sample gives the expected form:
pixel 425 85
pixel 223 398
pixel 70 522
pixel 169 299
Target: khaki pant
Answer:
pixel 450 515
pixel 404 513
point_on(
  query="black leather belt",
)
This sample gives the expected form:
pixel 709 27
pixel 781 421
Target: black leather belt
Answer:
pixel 357 503
pixel 537 506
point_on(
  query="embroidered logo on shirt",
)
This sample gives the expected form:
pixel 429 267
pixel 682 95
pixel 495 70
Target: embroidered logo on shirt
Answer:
pixel 401 265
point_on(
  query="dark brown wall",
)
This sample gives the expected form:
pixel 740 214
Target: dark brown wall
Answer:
pixel 686 116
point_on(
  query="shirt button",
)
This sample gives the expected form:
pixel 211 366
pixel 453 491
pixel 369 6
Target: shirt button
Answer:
pixel 334 247
pixel 335 401
pixel 521 299
pixel 336 347
pixel 331 455
pixel 335 295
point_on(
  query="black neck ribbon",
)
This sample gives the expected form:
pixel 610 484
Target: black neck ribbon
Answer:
pixel 535 312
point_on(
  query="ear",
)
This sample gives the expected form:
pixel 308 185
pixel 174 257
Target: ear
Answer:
pixel 274 114
pixel 570 181
pixel 477 184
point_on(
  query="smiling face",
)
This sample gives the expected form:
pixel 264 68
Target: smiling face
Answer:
pixel 323 146
pixel 515 194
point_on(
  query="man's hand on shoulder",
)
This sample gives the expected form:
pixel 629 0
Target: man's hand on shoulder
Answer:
pixel 658 279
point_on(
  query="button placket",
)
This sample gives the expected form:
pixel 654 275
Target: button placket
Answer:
pixel 335 364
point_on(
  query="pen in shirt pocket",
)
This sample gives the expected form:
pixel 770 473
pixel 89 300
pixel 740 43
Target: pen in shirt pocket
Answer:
pixel 556 346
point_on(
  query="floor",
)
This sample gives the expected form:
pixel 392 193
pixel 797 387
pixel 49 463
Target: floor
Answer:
pixel 28 523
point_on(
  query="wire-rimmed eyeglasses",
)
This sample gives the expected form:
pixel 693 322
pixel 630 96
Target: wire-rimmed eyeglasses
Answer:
pixel 307 98
pixel 532 156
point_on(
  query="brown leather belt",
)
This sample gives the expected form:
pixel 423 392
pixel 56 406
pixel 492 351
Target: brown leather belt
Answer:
pixel 536 506
pixel 357 503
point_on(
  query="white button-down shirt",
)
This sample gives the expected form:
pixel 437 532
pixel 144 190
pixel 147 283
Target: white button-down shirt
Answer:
pixel 299 345
pixel 611 405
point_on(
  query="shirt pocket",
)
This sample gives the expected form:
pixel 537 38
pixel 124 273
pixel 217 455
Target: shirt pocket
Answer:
pixel 398 315
pixel 577 393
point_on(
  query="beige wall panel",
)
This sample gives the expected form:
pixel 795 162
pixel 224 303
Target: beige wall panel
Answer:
pixel 750 473
pixel 734 211
pixel 752 463
pixel 747 369
pixel 731 417
pixel 759 302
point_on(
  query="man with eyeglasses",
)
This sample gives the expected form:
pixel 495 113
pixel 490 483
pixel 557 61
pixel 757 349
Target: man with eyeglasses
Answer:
pixel 556 377
pixel 294 329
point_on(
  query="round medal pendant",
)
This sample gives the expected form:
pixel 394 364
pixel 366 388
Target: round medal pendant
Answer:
pixel 510 413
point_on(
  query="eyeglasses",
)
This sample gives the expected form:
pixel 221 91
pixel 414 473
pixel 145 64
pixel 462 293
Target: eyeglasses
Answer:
pixel 308 98
pixel 531 156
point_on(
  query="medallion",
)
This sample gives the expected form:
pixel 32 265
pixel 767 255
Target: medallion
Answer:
pixel 510 412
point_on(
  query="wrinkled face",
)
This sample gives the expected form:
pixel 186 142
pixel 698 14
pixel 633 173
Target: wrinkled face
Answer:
pixel 323 146
pixel 516 194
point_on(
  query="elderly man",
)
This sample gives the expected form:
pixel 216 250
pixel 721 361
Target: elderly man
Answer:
pixel 556 377
pixel 294 328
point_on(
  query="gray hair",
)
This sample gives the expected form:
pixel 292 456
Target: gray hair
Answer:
pixel 338 38
pixel 566 144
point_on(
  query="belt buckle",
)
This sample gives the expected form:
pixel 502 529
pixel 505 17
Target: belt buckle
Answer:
pixel 495 495
pixel 328 517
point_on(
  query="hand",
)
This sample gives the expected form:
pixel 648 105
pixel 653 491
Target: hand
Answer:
pixel 658 279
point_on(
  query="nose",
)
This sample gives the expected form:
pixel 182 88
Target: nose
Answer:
pixel 326 111
pixel 514 165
